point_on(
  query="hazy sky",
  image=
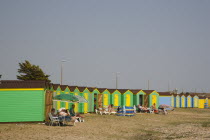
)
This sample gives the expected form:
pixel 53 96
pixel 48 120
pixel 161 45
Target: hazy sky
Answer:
pixel 166 42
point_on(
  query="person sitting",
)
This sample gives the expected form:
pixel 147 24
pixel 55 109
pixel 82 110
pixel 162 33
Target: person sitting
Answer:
pixel 64 115
pixel 140 108
pixel 53 112
pixel 153 107
pixel 77 115
pixel 111 109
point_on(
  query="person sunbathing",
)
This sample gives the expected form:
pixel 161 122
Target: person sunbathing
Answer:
pixel 76 115
pixel 111 109
pixel 53 112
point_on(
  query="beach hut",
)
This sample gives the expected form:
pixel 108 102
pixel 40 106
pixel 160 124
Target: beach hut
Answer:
pixel 177 100
pixel 127 97
pixel 58 92
pixel 83 107
pixel 183 100
pixel 106 97
pixel 86 94
pixel 172 100
pixel 189 100
pixel 91 99
pixel 195 101
pixel 165 98
pixel 138 97
pixel 24 101
pixel 53 88
pixel 64 90
pixel 115 97
pixel 153 97
pixel 74 91
pixel 98 98
pixel 201 101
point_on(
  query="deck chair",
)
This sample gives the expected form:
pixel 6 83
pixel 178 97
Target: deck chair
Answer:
pixel 103 111
pixel 54 120
pixel 65 122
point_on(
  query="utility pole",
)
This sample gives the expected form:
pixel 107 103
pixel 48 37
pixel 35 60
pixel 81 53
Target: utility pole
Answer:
pixel 168 86
pixel 62 71
pixel 148 84
pixel 116 74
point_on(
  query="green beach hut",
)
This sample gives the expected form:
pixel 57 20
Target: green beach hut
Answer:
pixel 27 100
pixel 153 97
pixel 115 97
pixel 138 97
pixel 127 97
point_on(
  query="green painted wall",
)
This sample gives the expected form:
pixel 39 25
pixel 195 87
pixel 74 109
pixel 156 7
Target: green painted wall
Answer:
pixel 77 105
pixel 136 98
pixel 95 98
pixel 22 105
pixel 157 99
pixel 126 99
pixel 119 98
pixel 59 103
pixel 107 93
pixel 86 91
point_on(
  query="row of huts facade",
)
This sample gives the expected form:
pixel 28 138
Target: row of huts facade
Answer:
pixel 22 97
pixel 127 97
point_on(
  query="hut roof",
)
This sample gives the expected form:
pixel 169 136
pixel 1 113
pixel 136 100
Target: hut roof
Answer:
pixel 101 89
pixel 164 93
pixel 111 90
pixel 72 88
pixel 122 90
pixel 63 87
pixel 148 91
pixel 24 84
pixel 55 86
pixel 202 97
pixel 81 88
pixel 91 89
pixel 135 91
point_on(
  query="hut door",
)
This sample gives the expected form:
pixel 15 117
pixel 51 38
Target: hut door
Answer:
pixel 154 99
pixel 48 104
pixel 172 101
pixel 189 102
pixel 128 100
pixel 182 101
pixel 100 99
pixel 86 104
pixel 105 99
pixel 76 105
pixel 116 100
pixel 141 100
pixel 177 102
pixel 195 102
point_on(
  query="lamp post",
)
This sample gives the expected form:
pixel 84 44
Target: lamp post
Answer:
pixel 116 74
pixel 62 71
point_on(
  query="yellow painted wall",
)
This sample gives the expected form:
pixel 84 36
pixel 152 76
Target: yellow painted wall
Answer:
pixel 116 98
pixel 177 102
pixel 172 101
pixel 183 101
pixel 58 102
pixel 86 104
pixel 67 104
pixel 201 103
pixel 154 99
pixel 128 99
pixel 209 102
pixel 196 102
pixel 76 105
pixel 189 102
pixel 105 99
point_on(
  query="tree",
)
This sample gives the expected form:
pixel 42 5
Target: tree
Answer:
pixel 28 71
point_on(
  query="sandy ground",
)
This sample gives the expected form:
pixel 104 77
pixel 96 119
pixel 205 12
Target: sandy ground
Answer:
pixel 179 124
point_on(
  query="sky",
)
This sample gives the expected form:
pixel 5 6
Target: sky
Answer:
pixel 164 42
